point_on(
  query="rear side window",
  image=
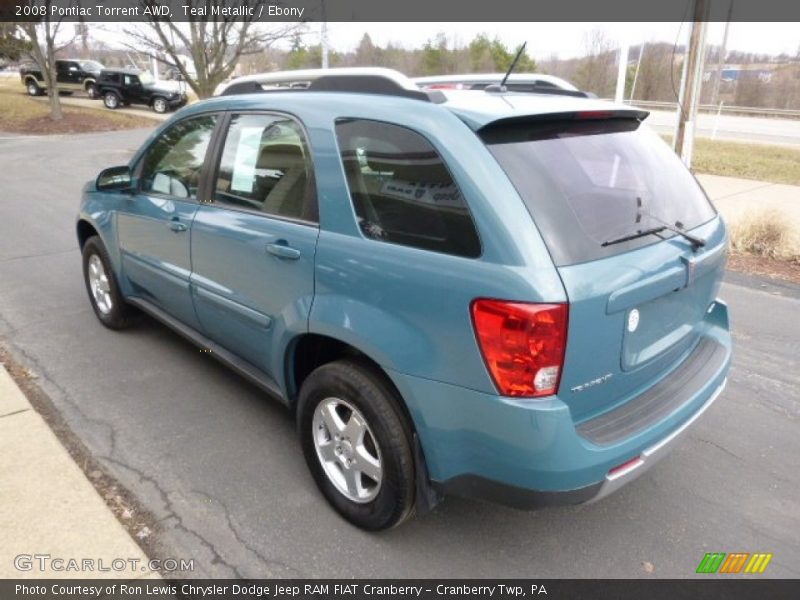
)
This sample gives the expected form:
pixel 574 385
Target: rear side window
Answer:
pixel 590 182
pixel 402 191
pixel 266 167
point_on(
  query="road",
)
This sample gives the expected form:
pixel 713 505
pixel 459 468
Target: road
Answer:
pixel 763 130
pixel 220 468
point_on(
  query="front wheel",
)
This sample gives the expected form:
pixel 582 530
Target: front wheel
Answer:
pixel 111 100
pixel 160 105
pixel 33 88
pixel 357 444
pixel 101 284
pixel 91 90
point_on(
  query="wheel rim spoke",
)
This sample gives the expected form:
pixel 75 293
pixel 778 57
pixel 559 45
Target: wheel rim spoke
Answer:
pixel 368 464
pixel 332 420
pixel 355 428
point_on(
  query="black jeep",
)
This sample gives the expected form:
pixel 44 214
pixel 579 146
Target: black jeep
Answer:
pixel 72 75
pixel 122 87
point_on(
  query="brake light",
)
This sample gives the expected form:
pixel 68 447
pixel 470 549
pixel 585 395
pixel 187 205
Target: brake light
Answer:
pixel 522 344
pixel 595 114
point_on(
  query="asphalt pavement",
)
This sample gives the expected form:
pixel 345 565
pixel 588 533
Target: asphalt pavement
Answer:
pixel 220 468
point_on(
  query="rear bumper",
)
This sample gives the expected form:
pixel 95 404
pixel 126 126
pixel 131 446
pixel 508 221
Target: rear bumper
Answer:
pixel 530 454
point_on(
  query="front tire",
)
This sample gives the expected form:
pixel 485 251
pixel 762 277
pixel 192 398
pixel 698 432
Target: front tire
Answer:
pixel 160 106
pixel 357 444
pixel 111 100
pixel 102 287
pixel 33 88
pixel 91 90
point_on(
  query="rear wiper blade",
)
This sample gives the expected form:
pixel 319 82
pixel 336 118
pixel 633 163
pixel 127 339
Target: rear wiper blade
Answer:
pixel 695 241
pixel 677 228
pixel 636 236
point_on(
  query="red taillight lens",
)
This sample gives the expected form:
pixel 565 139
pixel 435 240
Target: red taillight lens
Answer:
pixel 522 344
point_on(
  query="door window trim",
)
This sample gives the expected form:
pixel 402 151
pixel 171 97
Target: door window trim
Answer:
pixel 219 148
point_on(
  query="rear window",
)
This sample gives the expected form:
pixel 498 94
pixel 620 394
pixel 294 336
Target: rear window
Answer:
pixel 590 182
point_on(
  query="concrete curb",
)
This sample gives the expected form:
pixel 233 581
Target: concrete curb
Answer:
pixel 49 508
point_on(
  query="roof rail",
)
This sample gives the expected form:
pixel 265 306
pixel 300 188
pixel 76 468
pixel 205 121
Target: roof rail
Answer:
pixel 385 82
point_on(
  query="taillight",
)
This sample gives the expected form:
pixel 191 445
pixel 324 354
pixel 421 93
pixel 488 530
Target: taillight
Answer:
pixel 523 344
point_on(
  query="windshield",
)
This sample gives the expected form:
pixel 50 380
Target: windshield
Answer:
pixel 146 78
pixel 588 182
pixel 91 65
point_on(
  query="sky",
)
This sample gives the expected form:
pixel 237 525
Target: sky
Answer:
pixel 565 40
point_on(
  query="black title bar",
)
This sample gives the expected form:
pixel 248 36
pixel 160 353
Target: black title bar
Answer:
pixel 267 11
pixel 740 588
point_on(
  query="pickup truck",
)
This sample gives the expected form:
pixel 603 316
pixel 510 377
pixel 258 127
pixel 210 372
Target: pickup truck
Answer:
pixel 72 75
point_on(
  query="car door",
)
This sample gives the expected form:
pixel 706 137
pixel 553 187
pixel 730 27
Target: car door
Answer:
pixel 63 75
pixel 253 246
pixel 134 90
pixel 154 228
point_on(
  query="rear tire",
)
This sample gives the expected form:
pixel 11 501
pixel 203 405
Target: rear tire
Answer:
pixel 111 100
pixel 102 287
pixel 357 444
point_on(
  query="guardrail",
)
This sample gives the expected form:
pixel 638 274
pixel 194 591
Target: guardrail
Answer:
pixel 724 109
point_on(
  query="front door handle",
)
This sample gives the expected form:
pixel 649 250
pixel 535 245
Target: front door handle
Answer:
pixel 177 226
pixel 281 249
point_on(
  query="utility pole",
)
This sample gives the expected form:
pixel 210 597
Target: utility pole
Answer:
pixel 324 36
pixel 721 58
pixel 636 74
pixel 690 84
pixel 622 71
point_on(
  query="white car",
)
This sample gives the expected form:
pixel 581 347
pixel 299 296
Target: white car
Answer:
pixel 517 82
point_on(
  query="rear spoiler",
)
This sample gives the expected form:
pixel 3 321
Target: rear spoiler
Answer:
pixel 573 115
pixel 586 122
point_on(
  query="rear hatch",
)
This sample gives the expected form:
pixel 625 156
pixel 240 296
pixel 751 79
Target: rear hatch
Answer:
pixel 637 244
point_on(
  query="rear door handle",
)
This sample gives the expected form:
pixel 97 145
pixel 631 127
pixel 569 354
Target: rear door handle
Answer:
pixel 281 249
pixel 177 226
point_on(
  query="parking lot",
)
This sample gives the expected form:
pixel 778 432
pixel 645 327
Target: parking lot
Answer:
pixel 219 466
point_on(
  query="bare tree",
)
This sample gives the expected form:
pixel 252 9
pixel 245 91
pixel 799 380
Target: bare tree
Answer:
pixel 595 72
pixel 42 35
pixel 215 43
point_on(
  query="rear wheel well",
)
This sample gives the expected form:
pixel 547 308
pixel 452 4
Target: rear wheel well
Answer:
pixel 85 231
pixel 312 351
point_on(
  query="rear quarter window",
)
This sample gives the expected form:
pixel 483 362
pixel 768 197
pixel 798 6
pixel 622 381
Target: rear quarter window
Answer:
pixel 402 191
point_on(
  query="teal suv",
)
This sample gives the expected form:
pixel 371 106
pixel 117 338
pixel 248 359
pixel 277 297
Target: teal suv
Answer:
pixel 508 296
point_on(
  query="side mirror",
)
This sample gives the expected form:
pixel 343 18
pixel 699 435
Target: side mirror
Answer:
pixel 114 179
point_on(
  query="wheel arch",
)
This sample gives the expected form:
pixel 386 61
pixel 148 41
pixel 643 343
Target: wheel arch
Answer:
pixel 310 351
pixel 85 230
